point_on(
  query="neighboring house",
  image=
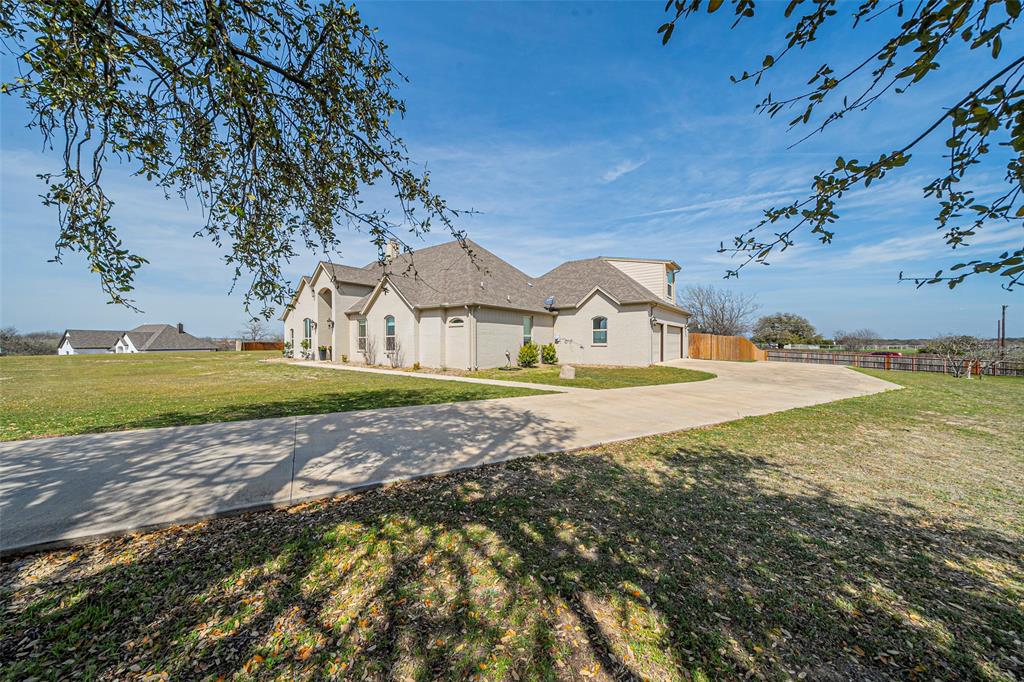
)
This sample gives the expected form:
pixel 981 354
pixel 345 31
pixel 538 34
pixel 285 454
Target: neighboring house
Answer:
pixel 88 341
pixel 445 307
pixel 146 338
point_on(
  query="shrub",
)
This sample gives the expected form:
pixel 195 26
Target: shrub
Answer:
pixel 416 366
pixel 549 356
pixel 529 354
pixel 288 349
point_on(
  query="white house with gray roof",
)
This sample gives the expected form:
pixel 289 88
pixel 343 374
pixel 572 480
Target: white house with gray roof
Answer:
pixel 460 306
pixel 146 338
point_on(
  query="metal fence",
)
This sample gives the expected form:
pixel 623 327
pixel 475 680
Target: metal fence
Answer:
pixel 907 363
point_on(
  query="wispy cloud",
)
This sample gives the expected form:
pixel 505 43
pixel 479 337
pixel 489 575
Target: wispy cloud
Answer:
pixel 620 169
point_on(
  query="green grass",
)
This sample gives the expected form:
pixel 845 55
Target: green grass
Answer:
pixel 873 538
pixel 597 377
pixel 56 396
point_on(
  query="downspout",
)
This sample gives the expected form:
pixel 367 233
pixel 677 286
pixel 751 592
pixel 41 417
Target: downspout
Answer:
pixel 650 340
pixel 471 315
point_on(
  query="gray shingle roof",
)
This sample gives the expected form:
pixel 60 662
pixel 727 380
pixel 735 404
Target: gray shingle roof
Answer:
pixel 448 275
pixel 166 337
pixel 346 273
pixel 571 281
pixel 91 338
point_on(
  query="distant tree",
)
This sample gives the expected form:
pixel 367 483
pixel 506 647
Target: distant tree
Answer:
pixel 783 328
pixel 981 114
pixel 716 310
pixel 255 329
pixel 275 115
pixel 12 342
pixel 960 351
pixel 858 339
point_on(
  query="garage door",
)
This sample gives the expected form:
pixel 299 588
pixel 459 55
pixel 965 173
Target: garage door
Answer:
pixel 673 343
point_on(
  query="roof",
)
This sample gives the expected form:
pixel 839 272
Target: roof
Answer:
pixel 571 282
pixel 367 276
pixel 165 337
pixel 666 261
pixel 449 275
pixel 91 338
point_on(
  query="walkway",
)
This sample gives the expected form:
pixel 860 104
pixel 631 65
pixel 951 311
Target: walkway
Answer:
pixel 61 489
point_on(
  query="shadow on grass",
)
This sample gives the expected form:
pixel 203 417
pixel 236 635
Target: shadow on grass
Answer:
pixel 670 566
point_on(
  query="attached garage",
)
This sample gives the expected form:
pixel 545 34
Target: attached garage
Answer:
pixel 673 343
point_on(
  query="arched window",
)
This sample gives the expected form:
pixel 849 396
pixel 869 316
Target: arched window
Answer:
pixel 456 322
pixel 307 328
pixel 600 331
pixel 389 333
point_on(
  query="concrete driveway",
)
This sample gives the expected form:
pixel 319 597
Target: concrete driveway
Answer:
pixel 58 490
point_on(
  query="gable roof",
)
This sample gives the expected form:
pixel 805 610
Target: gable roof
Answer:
pixel 91 338
pixel 366 276
pixel 570 283
pixel 450 275
pixel 154 337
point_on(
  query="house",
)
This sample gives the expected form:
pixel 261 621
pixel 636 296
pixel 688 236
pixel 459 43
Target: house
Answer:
pixel 453 307
pixel 146 338
pixel 87 341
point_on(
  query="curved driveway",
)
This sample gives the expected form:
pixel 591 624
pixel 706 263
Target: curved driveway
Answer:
pixel 58 490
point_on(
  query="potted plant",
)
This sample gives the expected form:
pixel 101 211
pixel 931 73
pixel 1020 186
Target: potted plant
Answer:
pixel 288 349
pixel 305 348
pixel 323 352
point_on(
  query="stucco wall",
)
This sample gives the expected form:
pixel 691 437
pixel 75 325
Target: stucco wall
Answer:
pixel 629 334
pixel 305 306
pixel 388 302
pixel 431 332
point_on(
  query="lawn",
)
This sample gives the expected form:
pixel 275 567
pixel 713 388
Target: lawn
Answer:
pixel 873 538
pixel 597 377
pixel 56 396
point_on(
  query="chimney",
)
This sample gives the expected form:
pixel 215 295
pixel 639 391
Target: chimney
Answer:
pixel 181 328
pixel 392 250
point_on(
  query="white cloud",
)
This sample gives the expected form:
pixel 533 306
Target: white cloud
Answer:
pixel 617 171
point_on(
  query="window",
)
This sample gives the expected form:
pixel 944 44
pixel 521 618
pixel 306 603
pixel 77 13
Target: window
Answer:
pixel 600 331
pixel 307 329
pixel 527 329
pixel 389 333
pixel 456 322
pixel 672 285
pixel 361 336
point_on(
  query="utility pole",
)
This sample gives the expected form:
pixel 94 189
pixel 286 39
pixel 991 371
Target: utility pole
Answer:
pixel 1002 333
pixel 1002 341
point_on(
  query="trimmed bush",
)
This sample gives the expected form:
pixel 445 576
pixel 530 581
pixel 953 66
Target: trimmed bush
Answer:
pixel 529 354
pixel 548 354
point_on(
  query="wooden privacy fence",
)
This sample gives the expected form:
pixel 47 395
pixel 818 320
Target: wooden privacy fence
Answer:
pixel 260 345
pixel 714 347
pixel 906 363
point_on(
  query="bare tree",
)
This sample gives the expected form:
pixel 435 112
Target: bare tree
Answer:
pixel 254 329
pixel 719 311
pixel 858 339
pixel 962 353
pixel 370 350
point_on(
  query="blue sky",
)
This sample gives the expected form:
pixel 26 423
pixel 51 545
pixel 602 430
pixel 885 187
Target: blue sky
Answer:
pixel 574 133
